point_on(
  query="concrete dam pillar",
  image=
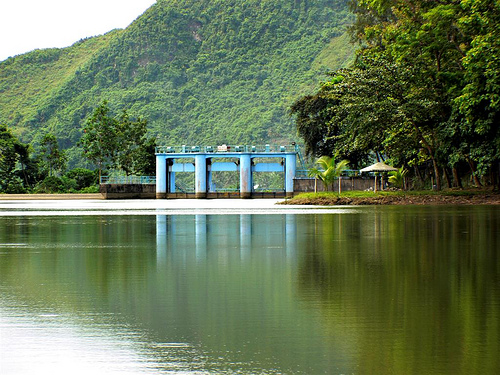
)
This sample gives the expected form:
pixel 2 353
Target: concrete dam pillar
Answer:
pixel 161 176
pixel 245 176
pixel 200 178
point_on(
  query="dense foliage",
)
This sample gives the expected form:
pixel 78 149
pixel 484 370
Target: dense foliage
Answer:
pixel 200 71
pixel 14 160
pixel 424 91
pixel 119 142
pixel 23 171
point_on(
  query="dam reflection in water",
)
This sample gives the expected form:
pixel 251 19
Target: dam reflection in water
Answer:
pixel 205 233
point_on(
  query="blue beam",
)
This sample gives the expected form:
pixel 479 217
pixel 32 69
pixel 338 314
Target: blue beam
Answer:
pixel 182 167
pixel 268 167
pixel 224 167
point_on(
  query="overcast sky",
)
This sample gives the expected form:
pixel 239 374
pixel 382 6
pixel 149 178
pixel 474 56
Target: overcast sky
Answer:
pixel 26 25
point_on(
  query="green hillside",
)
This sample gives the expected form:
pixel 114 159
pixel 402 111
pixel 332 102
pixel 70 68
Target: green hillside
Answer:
pixel 200 71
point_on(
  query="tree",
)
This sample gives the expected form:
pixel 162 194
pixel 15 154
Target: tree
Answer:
pixel 479 101
pixel 131 137
pixel 118 142
pixel 379 107
pixel 54 158
pixel 100 137
pixel 423 89
pixel 84 178
pixel 312 119
pixel 16 169
pixel 145 158
pixel 317 125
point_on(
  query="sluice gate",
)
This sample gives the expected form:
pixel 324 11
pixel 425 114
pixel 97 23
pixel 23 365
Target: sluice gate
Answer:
pixel 209 159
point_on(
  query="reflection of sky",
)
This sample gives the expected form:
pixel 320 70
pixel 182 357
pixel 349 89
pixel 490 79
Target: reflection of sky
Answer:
pixel 48 343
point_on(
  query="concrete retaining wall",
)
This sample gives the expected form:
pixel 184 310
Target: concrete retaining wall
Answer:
pixel 128 191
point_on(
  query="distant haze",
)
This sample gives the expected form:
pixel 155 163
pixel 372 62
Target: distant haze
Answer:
pixel 33 24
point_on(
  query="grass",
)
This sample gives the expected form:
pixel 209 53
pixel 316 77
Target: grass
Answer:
pixel 399 193
pixel 348 194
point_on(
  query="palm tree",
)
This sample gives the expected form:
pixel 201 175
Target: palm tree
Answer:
pixel 328 171
pixel 398 177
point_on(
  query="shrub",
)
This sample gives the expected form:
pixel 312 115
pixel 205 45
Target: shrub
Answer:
pixel 13 185
pixel 84 178
pixel 53 184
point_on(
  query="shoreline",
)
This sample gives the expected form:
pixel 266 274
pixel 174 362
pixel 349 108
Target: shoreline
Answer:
pixel 41 197
pixel 482 198
pixel 472 198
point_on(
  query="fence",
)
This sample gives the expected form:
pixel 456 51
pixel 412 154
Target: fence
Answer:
pixel 137 180
pixel 186 149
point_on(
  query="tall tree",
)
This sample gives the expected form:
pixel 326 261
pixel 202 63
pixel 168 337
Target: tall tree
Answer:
pixel 145 159
pixel 131 136
pixel 53 157
pixel 118 142
pixel 14 160
pixel 100 137
pixel 479 101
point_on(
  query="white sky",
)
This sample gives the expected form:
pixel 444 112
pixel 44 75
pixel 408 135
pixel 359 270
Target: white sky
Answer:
pixel 26 25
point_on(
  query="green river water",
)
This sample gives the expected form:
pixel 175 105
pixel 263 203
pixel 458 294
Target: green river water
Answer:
pixel 363 290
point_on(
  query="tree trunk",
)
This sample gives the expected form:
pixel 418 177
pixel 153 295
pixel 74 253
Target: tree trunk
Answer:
pixel 447 176
pixel 457 182
pixel 498 175
pixel 431 154
pixel 436 174
pixel 417 172
pixel 473 171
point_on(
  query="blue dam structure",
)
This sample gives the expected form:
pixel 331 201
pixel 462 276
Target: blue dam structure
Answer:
pixel 228 158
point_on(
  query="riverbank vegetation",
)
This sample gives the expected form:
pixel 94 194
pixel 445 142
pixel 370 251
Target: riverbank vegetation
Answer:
pixel 423 93
pixel 469 196
pixel 24 171
pixel 110 142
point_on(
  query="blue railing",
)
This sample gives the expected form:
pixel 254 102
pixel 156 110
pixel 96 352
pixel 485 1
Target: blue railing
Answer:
pixel 187 149
pixel 142 180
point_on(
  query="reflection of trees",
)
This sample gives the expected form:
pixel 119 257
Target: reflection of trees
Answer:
pixel 92 253
pixel 235 300
pixel 416 290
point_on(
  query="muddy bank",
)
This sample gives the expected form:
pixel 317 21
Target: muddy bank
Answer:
pixel 476 199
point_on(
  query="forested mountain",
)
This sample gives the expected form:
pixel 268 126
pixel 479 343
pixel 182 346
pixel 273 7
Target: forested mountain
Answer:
pixel 200 71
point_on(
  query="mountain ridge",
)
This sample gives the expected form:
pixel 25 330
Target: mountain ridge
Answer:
pixel 199 71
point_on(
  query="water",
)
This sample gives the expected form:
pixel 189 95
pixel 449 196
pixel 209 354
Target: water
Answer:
pixel 376 290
